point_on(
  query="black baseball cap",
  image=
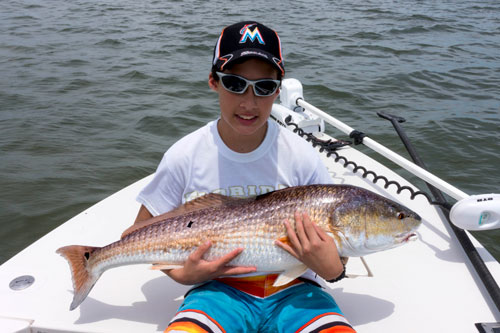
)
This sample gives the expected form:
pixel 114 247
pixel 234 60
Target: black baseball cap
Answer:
pixel 248 39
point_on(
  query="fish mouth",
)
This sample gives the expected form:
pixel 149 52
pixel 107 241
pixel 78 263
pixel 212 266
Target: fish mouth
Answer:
pixel 405 238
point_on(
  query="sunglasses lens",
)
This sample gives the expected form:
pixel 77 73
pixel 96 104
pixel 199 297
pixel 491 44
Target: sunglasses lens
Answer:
pixel 234 83
pixel 239 85
pixel 265 87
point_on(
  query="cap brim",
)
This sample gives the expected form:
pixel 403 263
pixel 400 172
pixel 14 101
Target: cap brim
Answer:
pixel 226 60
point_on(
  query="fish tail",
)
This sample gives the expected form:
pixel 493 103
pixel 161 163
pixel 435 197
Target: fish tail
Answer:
pixel 83 276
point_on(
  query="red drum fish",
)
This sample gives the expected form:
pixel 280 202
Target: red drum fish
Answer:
pixel 360 221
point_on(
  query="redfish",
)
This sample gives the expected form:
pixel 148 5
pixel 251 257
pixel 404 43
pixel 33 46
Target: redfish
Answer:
pixel 360 221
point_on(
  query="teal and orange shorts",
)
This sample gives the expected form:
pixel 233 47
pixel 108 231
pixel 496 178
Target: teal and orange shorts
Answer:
pixel 252 305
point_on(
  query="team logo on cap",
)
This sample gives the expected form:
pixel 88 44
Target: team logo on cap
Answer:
pixel 254 34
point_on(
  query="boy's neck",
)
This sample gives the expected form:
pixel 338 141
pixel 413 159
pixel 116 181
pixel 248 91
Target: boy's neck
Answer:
pixel 241 143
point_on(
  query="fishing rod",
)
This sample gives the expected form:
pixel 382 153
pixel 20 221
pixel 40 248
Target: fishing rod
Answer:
pixel 470 212
pixel 464 240
pixel 478 212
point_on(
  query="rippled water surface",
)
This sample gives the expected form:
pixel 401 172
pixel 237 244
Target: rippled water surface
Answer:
pixel 93 92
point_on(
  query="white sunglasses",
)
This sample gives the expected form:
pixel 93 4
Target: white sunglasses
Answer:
pixel 238 85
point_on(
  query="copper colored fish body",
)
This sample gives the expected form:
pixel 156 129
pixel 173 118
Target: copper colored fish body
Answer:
pixel 360 221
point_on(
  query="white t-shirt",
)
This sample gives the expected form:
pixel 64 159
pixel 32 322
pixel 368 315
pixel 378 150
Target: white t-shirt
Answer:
pixel 201 163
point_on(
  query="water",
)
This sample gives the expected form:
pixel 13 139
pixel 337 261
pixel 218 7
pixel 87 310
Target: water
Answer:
pixel 93 92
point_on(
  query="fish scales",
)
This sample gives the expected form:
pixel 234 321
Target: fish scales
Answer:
pixel 360 222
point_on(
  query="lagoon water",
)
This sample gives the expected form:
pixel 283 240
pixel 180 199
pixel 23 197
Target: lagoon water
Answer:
pixel 93 92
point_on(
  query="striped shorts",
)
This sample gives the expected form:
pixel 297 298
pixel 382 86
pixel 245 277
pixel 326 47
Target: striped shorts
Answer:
pixel 217 307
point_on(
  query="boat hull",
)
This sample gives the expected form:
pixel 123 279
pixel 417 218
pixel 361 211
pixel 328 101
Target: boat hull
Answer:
pixel 427 285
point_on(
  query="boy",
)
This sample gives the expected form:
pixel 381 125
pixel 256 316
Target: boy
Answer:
pixel 243 153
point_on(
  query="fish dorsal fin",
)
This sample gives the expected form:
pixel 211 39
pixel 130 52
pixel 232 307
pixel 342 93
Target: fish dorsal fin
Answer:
pixel 206 201
pixel 142 224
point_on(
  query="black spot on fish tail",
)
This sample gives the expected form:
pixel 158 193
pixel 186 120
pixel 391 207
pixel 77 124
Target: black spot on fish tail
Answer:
pixel 87 255
pixel 190 224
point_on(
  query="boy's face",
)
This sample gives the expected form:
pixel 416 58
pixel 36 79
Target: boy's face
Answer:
pixel 245 114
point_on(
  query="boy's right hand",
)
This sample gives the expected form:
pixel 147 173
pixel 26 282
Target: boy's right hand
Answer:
pixel 197 270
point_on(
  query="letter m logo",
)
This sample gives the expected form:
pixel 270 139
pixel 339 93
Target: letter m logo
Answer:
pixel 253 35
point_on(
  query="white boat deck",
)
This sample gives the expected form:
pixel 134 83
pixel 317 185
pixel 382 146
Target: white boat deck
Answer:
pixel 424 286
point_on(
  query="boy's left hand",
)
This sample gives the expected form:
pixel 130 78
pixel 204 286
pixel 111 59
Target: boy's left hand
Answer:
pixel 312 246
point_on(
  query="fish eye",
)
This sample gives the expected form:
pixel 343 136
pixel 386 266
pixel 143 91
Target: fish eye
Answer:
pixel 400 216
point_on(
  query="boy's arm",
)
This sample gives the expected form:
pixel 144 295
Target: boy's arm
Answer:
pixel 312 245
pixel 197 270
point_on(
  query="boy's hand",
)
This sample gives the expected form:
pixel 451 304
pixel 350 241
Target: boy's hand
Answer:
pixel 197 270
pixel 311 245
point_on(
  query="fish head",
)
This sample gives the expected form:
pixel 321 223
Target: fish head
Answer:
pixel 371 223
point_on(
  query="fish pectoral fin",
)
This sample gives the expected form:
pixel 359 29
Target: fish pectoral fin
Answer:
pixel 290 275
pixel 335 234
pixel 160 266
